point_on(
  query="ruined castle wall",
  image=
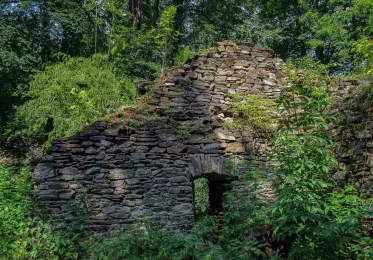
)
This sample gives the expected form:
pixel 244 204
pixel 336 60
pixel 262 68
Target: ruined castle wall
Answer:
pixel 354 134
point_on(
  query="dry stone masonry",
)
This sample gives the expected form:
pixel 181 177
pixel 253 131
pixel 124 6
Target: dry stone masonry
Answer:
pixel 140 163
pixel 354 134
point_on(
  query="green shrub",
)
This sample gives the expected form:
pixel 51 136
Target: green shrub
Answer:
pixel 22 234
pixel 309 211
pixel 148 243
pixel 69 96
pixel 14 204
pixel 363 49
pixel 183 55
pixel 201 197
pixel 246 216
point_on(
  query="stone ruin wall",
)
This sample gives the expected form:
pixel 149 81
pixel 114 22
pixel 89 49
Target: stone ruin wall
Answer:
pixel 354 134
pixel 142 163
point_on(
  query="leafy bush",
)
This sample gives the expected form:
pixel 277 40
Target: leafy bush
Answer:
pixel 309 212
pixel 148 243
pixel 183 55
pixel 201 197
pixel 22 234
pixel 364 55
pixel 70 95
pixel 245 230
pixel 143 53
pixel 13 205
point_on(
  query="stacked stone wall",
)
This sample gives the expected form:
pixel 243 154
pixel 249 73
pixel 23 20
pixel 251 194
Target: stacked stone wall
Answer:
pixel 354 134
pixel 145 167
pixel 140 163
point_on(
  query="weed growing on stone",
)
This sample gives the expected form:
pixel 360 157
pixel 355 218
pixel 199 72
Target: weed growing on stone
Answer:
pixel 254 110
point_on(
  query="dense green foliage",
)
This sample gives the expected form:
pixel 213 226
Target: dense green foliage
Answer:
pixel 13 205
pixel 147 243
pixel 23 234
pixel 32 33
pixel 309 211
pixel 69 95
pixel 66 63
pixel 201 197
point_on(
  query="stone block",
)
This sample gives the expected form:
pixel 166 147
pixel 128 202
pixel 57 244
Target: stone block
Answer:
pixel 179 179
pixel 97 138
pixel 69 173
pixel 235 148
pixel 43 171
pixel 176 149
pixel 167 137
pixel 92 150
pixel 157 150
pixel 132 181
pixel 101 216
pixel 93 170
pixel 183 208
pixel 213 146
pixel 143 172
pixel 221 135
pixel 117 184
pixel 133 197
pixel 66 196
pixel 120 174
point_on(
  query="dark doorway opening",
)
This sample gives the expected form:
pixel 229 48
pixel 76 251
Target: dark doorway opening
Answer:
pixel 218 185
pixel 209 192
pixel 217 189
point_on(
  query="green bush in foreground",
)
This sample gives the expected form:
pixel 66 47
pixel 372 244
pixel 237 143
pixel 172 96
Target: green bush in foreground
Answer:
pixel 310 212
pixel 148 243
pixel 159 244
pixel 22 235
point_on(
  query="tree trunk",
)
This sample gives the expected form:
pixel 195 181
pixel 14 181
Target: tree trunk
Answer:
pixel 136 12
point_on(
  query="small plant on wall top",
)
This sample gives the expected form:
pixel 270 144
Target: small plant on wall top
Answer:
pixel 253 109
pixel 183 55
